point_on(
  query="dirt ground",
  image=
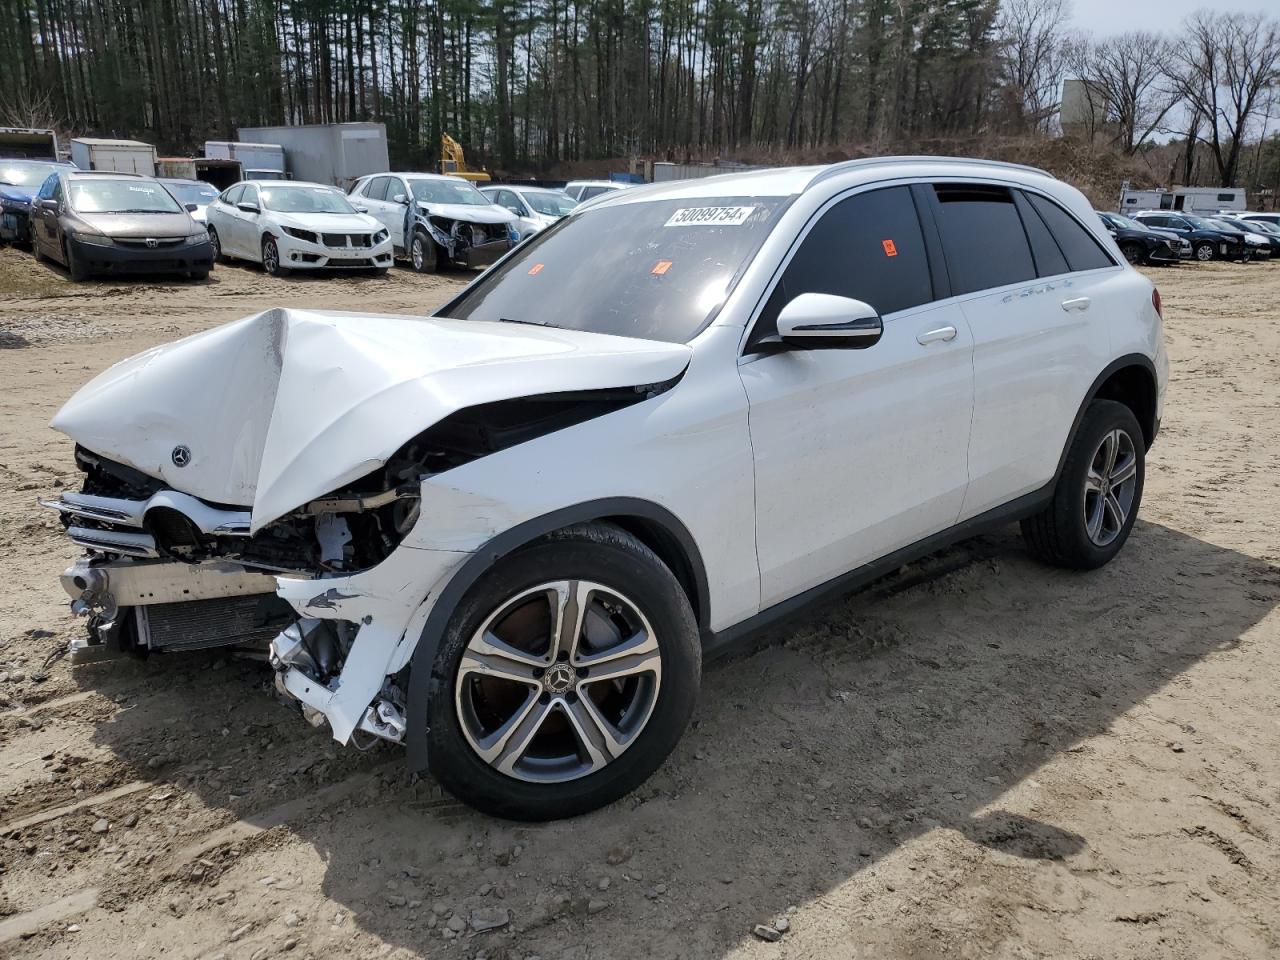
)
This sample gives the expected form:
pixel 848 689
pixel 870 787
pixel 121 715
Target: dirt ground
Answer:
pixel 979 757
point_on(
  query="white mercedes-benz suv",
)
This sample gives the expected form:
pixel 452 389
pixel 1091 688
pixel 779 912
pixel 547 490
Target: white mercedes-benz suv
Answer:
pixel 507 535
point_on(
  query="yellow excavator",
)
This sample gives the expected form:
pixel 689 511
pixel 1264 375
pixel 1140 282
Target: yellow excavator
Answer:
pixel 453 161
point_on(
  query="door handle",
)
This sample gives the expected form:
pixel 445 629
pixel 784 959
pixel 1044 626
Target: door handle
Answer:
pixel 1079 303
pixel 932 336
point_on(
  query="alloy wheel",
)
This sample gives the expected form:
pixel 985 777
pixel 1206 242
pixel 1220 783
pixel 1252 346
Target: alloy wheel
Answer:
pixel 270 257
pixel 1204 253
pixel 558 681
pixel 1109 487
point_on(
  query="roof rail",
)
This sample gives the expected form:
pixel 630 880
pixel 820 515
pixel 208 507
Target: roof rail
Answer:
pixel 837 168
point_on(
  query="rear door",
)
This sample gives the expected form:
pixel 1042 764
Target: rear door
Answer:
pixel 1035 288
pixel 858 452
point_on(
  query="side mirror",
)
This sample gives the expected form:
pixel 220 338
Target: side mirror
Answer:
pixel 192 207
pixel 823 320
pixel 401 199
pixel 359 208
pixel 49 204
pixel 248 207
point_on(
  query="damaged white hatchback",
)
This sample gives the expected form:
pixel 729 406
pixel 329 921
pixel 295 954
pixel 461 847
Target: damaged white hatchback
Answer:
pixel 507 535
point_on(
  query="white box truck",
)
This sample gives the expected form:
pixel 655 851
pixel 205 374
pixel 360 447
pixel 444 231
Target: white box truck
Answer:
pixel 334 153
pixel 260 161
pixel 122 156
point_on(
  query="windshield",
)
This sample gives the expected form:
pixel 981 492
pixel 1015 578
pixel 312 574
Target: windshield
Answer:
pixel 1200 223
pixel 121 196
pixel 288 199
pixel 23 173
pixel 658 270
pixel 198 193
pixel 549 204
pixel 1123 223
pixel 1261 226
pixel 447 191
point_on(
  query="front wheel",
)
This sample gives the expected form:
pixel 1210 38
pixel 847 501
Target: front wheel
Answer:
pixel 271 258
pixel 1133 252
pixel 564 678
pixel 1095 502
pixel 216 242
pixel 1204 251
pixel 423 254
pixel 75 266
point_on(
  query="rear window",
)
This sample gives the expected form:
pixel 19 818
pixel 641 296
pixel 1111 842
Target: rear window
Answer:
pixel 1078 245
pixel 982 237
pixel 670 266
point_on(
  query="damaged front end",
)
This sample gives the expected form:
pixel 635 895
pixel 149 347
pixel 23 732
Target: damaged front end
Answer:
pixel 291 518
pixel 468 237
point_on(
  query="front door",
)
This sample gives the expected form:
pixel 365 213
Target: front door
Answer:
pixel 858 452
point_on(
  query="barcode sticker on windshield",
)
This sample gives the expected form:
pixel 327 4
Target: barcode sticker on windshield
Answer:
pixel 710 217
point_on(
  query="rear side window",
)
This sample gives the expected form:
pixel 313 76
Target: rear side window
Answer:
pixel 868 247
pixel 1048 255
pixel 982 237
pixel 1082 251
pixel 589 192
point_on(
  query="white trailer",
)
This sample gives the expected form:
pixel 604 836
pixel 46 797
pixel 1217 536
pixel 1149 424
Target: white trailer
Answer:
pixel 1200 200
pixel 122 156
pixel 260 161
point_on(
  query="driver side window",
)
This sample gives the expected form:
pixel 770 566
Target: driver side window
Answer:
pixel 868 247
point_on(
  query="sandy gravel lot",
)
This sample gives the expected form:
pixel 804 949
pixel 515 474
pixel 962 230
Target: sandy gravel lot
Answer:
pixel 979 757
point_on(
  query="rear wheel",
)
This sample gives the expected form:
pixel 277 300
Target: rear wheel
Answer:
pixel 423 253
pixel 1096 500
pixel 271 258
pixel 1203 251
pixel 565 677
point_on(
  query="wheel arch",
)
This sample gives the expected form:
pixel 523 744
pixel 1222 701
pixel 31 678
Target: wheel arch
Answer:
pixel 652 524
pixel 1130 380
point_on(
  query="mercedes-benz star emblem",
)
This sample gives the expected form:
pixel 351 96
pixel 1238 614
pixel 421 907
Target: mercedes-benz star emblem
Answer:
pixel 181 455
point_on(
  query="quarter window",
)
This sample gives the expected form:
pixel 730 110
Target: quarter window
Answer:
pixel 1048 255
pixel 982 237
pixel 1082 251
pixel 868 247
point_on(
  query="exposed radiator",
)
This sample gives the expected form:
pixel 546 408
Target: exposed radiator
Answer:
pixel 224 621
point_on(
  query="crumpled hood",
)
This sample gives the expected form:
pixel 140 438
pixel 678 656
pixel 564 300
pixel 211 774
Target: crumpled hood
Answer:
pixel 286 406
pixel 17 193
pixel 471 212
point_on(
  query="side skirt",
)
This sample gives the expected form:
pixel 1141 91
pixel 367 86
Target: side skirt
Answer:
pixel 720 644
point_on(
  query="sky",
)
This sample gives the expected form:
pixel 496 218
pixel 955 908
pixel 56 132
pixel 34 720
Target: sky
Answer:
pixel 1102 17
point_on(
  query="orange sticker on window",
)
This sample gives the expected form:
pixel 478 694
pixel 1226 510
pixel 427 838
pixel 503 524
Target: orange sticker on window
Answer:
pixel 535 268
pixel 890 250
pixel 661 267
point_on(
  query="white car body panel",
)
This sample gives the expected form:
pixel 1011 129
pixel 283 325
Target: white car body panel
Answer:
pixel 786 470
pixel 391 213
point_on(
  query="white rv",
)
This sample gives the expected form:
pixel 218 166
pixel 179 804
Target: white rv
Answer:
pixel 1201 200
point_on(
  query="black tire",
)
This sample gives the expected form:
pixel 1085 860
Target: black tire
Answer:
pixel 1203 251
pixel 1133 252
pixel 199 275
pixel 424 255
pixel 75 266
pixel 35 246
pixel 216 242
pixel 271 258
pixel 614 559
pixel 1060 534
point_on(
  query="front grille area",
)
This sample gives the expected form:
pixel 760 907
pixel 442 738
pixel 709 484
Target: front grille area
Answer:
pixel 225 621
pixel 347 239
pixel 154 243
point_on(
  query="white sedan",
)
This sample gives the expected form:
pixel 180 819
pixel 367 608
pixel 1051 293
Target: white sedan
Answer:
pixel 536 208
pixel 295 226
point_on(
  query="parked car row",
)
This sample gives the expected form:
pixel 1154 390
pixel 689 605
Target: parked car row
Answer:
pixel 111 223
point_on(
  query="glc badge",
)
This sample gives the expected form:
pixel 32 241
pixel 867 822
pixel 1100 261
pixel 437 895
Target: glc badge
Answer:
pixel 181 455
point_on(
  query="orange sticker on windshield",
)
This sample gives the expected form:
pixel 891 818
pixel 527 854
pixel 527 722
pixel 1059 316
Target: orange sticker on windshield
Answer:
pixel 661 267
pixel 890 250
pixel 533 271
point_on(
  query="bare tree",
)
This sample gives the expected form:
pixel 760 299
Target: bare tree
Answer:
pixel 1224 64
pixel 1125 78
pixel 1030 46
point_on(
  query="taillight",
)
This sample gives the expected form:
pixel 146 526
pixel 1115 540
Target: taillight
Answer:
pixel 1155 302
